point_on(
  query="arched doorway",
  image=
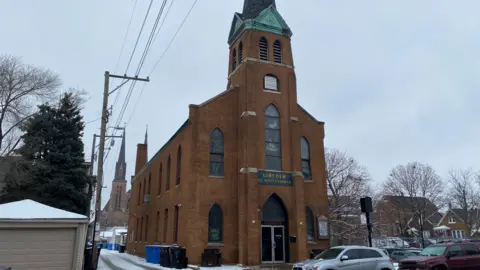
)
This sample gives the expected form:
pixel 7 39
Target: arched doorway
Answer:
pixel 274 231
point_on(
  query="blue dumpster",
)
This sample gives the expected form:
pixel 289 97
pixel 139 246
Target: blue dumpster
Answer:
pixel 115 247
pixel 110 246
pixel 155 254
pixel 105 245
pixel 148 253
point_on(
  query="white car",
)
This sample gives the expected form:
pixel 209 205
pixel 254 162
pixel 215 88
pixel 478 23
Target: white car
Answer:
pixel 348 258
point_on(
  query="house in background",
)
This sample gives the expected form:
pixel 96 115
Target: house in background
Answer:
pixel 400 216
pixel 455 223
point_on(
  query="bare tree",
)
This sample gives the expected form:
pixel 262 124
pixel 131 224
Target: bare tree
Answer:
pixel 464 193
pixel 347 182
pixel 21 88
pixel 420 187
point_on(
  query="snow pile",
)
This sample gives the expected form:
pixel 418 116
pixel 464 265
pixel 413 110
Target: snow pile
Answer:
pixel 28 209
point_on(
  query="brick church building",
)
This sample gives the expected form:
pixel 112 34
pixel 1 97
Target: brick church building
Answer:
pixel 115 212
pixel 245 173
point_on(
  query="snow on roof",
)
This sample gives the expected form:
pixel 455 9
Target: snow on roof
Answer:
pixel 28 209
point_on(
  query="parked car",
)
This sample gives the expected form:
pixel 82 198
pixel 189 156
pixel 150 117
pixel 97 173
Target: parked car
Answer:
pixel 348 257
pixel 402 254
pixel 463 255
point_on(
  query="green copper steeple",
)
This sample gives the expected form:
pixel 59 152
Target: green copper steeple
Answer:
pixel 259 15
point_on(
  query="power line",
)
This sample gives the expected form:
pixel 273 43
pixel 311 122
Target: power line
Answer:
pixel 141 63
pixel 176 33
pixel 123 46
pixel 163 54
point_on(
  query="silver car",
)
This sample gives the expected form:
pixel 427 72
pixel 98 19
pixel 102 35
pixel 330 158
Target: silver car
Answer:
pixel 348 258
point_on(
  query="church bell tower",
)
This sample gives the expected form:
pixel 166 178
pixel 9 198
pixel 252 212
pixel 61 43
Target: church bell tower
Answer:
pixel 118 198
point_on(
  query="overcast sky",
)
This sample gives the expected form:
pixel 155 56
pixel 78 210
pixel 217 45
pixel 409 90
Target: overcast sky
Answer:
pixel 395 81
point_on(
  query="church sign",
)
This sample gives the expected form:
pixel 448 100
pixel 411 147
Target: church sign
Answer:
pixel 275 178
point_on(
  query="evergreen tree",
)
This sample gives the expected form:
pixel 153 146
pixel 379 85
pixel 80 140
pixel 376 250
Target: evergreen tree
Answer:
pixel 53 159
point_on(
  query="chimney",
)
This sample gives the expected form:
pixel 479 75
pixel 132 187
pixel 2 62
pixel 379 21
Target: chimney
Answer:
pixel 141 160
pixel 449 206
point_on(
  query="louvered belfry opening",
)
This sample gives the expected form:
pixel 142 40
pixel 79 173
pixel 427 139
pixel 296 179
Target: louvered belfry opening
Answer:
pixel 263 46
pixel 234 60
pixel 277 52
pixel 240 53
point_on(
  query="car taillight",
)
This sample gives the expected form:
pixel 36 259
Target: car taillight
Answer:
pixel 390 259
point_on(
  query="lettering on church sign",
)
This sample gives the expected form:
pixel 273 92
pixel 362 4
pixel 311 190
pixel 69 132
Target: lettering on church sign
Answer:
pixel 275 178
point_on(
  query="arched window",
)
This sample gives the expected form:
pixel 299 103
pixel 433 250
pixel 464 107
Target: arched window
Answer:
pixel 273 153
pixel 144 186
pixel 215 224
pixel 149 182
pixel 270 82
pixel 240 53
pixel 175 228
pixel 179 165
pixel 216 153
pixel 234 60
pixel 140 194
pixel 310 224
pixel 263 48
pixel 277 52
pixel 169 165
pixel 160 172
pixel 305 153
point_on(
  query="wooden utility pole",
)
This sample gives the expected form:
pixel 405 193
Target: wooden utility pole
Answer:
pixel 101 151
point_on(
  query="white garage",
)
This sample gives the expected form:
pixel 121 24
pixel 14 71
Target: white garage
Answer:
pixel 40 237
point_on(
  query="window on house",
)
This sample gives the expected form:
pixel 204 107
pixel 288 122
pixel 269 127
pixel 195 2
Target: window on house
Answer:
pixel 157 224
pixel 310 224
pixel 175 228
pixel 179 165
pixel 234 59
pixel 149 182
pixel 240 53
pixel 165 225
pixel 160 172
pixel 452 220
pixel 277 52
pixel 216 153
pixel 215 224
pixel 139 193
pixel 263 48
pixel 458 234
pixel 273 153
pixel 169 165
pixel 305 153
pixel 146 229
pixel 270 82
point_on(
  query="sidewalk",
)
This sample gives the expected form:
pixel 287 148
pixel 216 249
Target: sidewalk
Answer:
pixel 124 261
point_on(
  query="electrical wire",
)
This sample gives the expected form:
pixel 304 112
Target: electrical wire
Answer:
pixel 121 51
pixel 141 63
pixel 171 41
pixel 163 54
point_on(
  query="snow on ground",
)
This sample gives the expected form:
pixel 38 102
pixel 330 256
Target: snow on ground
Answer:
pixel 130 262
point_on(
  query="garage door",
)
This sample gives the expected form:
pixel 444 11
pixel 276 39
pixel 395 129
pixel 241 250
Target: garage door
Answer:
pixel 39 249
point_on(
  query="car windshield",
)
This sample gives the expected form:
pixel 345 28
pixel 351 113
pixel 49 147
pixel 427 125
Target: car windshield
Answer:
pixel 433 251
pixel 329 254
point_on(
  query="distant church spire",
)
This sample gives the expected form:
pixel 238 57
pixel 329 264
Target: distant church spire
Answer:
pixel 146 135
pixel 146 140
pixel 120 167
pixel 251 8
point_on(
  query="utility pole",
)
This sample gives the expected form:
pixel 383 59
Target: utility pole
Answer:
pixel 101 151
